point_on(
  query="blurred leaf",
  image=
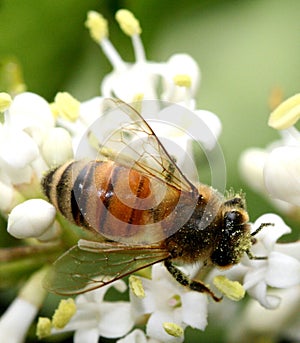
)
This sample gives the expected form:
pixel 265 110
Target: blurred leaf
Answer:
pixel 46 37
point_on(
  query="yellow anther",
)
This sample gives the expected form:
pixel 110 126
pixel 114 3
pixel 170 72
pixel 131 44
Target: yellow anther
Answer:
pixel 67 106
pixel 231 289
pixel 173 329
pixel 286 114
pixel 97 25
pixel 128 23
pixel 43 328
pixel 62 315
pixel 136 285
pixel 5 101
pixel 182 80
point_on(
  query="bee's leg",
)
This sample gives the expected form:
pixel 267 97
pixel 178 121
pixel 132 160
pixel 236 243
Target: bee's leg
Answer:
pixel 184 280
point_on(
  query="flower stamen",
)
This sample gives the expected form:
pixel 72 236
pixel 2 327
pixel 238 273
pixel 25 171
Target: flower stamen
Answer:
pixel 233 290
pixel 98 27
pixel 286 114
pixel 131 27
pixel 182 80
pixel 136 286
pixel 128 23
pixel 67 106
pixel 43 328
pixel 173 329
pixel 62 315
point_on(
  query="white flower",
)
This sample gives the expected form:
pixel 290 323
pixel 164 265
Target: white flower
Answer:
pixel 280 269
pixel 31 113
pixel 145 83
pixel 275 171
pixel 96 317
pixel 26 121
pixel 179 76
pixel 181 79
pixel 168 302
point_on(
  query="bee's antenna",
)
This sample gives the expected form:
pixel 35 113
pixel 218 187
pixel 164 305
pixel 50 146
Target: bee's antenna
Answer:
pixel 253 257
pixel 248 252
pixel 261 226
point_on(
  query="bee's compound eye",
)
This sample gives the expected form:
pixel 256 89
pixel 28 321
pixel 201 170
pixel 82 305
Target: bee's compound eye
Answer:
pixel 232 216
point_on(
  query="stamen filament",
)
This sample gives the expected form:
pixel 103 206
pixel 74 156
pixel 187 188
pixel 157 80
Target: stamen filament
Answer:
pixel 138 48
pixel 112 54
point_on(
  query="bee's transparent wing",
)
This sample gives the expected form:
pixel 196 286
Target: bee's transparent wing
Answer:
pixel 124 136
pixel 92 265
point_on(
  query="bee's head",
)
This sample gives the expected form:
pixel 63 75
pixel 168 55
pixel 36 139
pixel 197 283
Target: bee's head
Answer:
pixel 233 238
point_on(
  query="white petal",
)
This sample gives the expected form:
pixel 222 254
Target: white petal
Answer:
pixel 17 148
pixel 281 174
pixel 32 218
pixel 116 319
pixel 270 234
pixel 96 296
pixel 147 304
pixel 194 309
pixel 291 249
pixel 155 327
pixel 251 166
pixel 15 322
pixel 199 125
pixel 261 320
pixel 57 147
pixel 125 85
pixel 211 129
pixel 39 166
pixel 180 64
pixel 9 197
pixel 91 110
pixel 30 110
pixel 283 270
pixel 136 336
pixel 259 292
pixel 255 276
pixel 86 336
pixel 18 176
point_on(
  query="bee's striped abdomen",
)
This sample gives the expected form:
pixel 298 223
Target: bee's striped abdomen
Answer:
pixel 105 197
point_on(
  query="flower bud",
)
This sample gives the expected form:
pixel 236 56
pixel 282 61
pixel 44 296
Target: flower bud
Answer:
pixel 32 218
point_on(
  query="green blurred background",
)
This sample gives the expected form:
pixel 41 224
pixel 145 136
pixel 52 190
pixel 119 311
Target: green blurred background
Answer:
pixel 246 50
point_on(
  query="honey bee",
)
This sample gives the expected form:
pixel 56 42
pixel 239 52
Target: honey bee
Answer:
pixel 141 210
